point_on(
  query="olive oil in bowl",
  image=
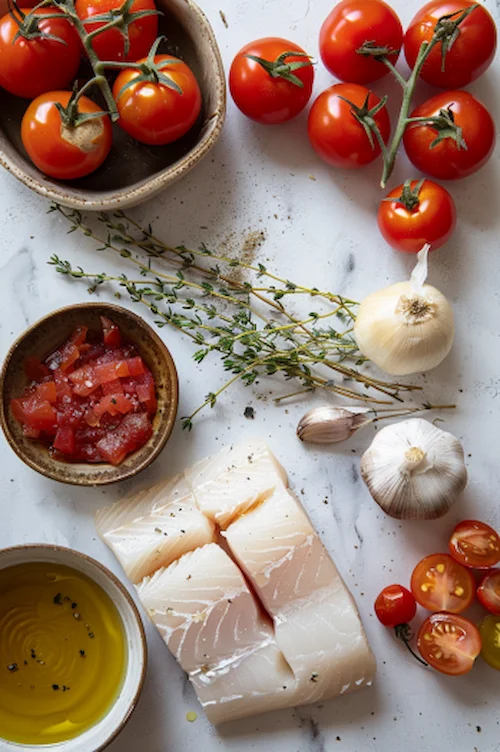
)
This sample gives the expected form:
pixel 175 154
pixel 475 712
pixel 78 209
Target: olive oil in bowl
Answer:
pixel 63 653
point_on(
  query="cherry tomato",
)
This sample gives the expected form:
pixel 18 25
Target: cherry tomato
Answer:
pixel 269 91
pixel 352 23
pixel 447 159
pixel 439 583
pixel 488 592
pixel 419 213
pixel 153 113
pixel 489 629
pixel 110 45
pixel 475 544
pixel 29 67
pixel 60 152
pixel 395 605
pixel 334 132
pixel 449 643
pixel 469 55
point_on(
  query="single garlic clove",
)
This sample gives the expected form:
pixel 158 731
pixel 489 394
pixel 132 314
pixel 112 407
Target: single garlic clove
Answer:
pixel 414 470
pixel 331 425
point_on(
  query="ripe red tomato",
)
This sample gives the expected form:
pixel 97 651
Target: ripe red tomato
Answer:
pixel 61 152
pixel 336 135
pixel 467 58
pixel 488 592
pixel 29 67
pixel 395 605
pixel 449 643
pixel 275 92
pixel 110 45
pixel 420 213
pixel 352 23
pixel 475 544
pixel 154 113
pixel 447 159
pixel 439 583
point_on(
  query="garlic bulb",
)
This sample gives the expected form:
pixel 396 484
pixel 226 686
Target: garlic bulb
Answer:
pixel 330 425
pixel 408 327
pixel 414 470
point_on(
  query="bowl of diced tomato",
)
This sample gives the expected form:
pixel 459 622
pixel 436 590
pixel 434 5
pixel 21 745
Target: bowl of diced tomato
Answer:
pixel 89 394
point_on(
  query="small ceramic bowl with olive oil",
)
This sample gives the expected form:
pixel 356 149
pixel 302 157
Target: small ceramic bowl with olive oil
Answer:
pixel 72 651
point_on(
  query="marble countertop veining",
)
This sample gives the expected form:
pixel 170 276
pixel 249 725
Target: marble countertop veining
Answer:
pixel 319 227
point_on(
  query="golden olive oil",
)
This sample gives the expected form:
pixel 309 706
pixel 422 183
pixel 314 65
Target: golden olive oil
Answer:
pixel 62 653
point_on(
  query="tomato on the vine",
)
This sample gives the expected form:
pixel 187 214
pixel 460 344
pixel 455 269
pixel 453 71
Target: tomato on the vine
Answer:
pixel 152 111
pixel 417 213
pixel 335 131
pixel 63 152
pixel 395 605
pixel 469 55
pixel 489 629
pixel 271 80
pixel 475 544
pixel 33 64
pixel 439 583
pixel 455 145
pixel 350 25
pixel 488 591
pixel 449 643
pixel 110 44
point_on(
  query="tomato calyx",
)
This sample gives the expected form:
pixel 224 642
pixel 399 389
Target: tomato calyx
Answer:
pixel 29 24
pixel 366 117
pixel 71 117
pixel 279 68
pixel 445 125
pixel 409 196
pixel 371 49
pixel 447 31
pixel 151 70
pixel 119 19
pixel 405 634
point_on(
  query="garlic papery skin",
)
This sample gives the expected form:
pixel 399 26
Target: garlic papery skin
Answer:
pixel 331 425
pixel 413 470
pixel 407 327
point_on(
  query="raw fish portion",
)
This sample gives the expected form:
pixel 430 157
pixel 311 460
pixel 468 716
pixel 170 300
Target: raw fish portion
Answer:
pixel 234 480
pixel 317 625
pixel 154 528
pixel 213 625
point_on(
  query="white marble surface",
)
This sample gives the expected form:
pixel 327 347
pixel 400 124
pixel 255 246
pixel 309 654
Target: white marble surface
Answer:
pixel 321 231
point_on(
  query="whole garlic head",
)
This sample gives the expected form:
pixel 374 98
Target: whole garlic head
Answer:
pixel 414 470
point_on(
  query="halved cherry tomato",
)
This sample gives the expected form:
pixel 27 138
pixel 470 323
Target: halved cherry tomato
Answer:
pixel 111 333
pixel 154 113
pixel 334 132
pixel 439 583
pixel 448 159
pixel 270 92
pixel 419 213
pixel 61 152
pixel 489 629
pixel 471 52
pixel 395 605
pixel 110 44
pixel 349 26
pixel 30 67
pixel 488 592
pixel 475 544
pixel 449 643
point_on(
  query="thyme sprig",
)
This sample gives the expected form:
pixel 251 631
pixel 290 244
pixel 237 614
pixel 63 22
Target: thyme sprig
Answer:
pixel 241 310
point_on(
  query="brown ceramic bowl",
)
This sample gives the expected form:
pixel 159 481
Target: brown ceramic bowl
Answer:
pixel 133 172
pixel 45 336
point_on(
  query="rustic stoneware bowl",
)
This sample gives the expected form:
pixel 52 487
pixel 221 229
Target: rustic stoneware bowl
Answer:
pixel 45 336
pixel 133 172
pixel 99 736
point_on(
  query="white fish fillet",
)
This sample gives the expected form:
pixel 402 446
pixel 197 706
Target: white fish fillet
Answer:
pixel 154 528
pixel 213 625
pixel 317 625
pixel 231 482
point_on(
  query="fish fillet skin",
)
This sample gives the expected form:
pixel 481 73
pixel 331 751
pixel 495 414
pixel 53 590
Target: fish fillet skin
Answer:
pixel 317 625
pixel 234 480
pixel 211 622
pixel 153 528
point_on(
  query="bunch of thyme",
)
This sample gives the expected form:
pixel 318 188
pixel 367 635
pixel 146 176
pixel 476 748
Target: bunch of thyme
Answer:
pixel 242 311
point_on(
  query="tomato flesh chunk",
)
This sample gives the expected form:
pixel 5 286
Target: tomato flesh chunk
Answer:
pixel 133 432
pixel 65 440
pixel 111 333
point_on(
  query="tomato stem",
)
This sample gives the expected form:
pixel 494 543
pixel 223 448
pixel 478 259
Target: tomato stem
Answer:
pixel 404 633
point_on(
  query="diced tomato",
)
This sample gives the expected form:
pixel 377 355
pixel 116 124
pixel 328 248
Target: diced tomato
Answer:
pixel 113 387
pixel 47 391
pixel 135 366
pixel 89 353
pixel 111 333
pixel 111 371
pixel 34 369
pixel 79 335
pixel 87 453
pixel 146 391
pixel 133 432
pixel 114 404
pixel 91 419
pixel 65 440
pixel 35 413
pixel 71 414
pixel 64 357
pixel 85 380
pixel 31 433
pixel 129 385
pixel 63 388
